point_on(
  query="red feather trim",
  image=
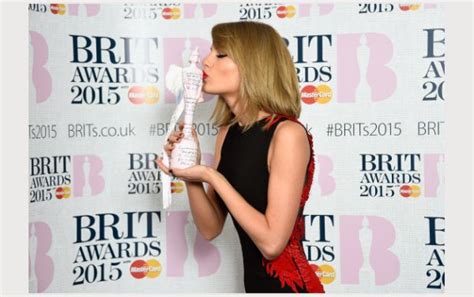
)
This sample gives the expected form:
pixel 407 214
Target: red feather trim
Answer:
pixel 291 266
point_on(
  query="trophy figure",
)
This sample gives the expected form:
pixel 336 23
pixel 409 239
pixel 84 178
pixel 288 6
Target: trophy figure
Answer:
pixel 186 83
pixel 185 152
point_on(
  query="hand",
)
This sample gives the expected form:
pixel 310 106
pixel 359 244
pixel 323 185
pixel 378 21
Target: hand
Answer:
pixel 176 136
pixel 197 173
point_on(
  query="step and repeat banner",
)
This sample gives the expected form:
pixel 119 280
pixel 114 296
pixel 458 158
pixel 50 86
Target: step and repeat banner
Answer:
pixel 371 79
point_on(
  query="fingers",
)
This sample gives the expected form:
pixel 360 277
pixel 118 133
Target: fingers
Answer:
pixel 159 162
pixel 175 137
pixel 172 139
pixel 168 148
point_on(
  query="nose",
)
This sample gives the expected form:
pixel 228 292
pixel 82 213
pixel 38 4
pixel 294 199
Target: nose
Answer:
pixel 206 62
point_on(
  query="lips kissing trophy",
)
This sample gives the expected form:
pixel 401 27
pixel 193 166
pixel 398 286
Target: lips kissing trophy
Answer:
pixel 185 83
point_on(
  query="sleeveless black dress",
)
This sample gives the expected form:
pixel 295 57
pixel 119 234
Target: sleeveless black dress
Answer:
pixel 244 164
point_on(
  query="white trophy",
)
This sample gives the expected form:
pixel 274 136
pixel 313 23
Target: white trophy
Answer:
pixel 185 83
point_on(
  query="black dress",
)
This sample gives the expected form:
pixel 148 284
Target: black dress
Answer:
pixel 243 162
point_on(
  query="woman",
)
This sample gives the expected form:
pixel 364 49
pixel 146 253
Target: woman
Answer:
pixel 263 167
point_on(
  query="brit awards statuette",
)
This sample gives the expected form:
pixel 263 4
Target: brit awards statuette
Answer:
pixel 185 83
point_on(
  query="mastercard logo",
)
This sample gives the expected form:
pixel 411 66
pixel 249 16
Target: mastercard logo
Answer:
pixel 171 13
pixel 63 192
pixel 57 8
pixel 410 191
pixel 286 11
pixel 147 95
pixel 140 269
pixel 408 7
pixel 177 187
pixel 311 94
pixel 325 273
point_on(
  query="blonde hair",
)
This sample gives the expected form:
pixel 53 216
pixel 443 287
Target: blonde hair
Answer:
pixel 268 79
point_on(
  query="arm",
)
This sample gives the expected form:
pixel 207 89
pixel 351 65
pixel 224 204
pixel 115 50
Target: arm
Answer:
pixel 289 152
pixel 208 215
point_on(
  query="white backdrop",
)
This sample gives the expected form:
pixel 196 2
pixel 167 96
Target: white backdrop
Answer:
pixel 371 78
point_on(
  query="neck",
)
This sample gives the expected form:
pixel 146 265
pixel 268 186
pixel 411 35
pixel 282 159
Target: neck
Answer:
pixel 261 115
pixel 232 102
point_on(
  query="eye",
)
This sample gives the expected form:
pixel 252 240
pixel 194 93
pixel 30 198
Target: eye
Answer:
pixel 219 54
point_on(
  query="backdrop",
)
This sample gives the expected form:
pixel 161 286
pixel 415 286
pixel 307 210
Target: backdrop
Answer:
pixel 371 79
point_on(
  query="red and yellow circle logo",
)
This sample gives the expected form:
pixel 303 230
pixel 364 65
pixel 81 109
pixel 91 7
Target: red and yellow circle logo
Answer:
pixel 410 191
pixel 311 94
pixel 147 95
pixel 171 13
pixel 325 273
pixel 409 7
pixel 177 187
pixel 140 269
pixel 63 192
pixel 286 11
pixel 57 8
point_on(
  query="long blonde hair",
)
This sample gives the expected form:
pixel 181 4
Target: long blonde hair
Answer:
pixel 268 79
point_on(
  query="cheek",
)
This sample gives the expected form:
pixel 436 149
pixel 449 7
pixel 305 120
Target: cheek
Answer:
pixel 231 77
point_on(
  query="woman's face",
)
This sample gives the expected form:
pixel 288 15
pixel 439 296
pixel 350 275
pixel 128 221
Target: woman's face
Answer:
pixel 223 76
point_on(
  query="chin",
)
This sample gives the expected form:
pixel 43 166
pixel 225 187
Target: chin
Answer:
pixel 207 91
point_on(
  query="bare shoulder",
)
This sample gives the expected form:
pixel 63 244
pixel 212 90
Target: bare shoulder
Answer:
pixel 290 131
pixel 289 136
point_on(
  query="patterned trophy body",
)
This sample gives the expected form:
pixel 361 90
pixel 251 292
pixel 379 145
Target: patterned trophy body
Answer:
pixel 184 154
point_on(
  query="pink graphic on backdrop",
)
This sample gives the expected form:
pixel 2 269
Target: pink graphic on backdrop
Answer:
pixel 40 239
pixel 176 247
pixel 87 178
pixel 326 181
pixel 207 159
pixel 91 9
pixel 385 264
pixel 199 10
pixel 42 80
pixel 206 254
pixel 314 9
pixel 176 51
pixel 430 5
pixel 433 167
pixel 380 78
